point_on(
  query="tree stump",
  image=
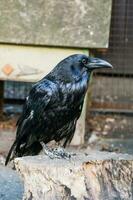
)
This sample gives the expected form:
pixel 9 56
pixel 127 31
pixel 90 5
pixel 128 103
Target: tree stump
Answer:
pixel 96 176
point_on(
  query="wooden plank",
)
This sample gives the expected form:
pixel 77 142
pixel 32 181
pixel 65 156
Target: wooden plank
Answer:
pixel 24 63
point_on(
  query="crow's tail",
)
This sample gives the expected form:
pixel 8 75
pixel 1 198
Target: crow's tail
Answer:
pixel 16 151
pixel 10 155
pixel 14 148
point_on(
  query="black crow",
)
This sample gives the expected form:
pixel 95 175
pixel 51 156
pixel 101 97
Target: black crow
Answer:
pixel 54 105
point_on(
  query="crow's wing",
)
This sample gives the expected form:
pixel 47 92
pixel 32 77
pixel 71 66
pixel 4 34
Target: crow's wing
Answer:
pixel 36 103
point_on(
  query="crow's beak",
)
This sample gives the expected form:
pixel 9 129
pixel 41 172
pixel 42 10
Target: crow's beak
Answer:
pixel 97 63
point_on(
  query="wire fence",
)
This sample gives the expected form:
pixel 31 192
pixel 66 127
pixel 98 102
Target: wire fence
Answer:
pixel 114 88
pixel 16 90
pixel 111 113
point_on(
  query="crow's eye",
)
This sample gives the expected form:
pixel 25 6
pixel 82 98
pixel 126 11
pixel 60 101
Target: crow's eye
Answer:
pixel 84 61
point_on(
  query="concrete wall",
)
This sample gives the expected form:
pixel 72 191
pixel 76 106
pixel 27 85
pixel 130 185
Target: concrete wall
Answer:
pixel 73 23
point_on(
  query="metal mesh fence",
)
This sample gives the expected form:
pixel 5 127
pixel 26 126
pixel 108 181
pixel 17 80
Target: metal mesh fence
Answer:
pixel 16 90
pixel 14 96
pixel 114 88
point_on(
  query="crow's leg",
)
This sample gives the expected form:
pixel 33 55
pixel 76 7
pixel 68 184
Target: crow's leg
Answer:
pixel 56 152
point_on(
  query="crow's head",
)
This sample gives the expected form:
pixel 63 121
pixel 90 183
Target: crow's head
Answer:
pixel 83 62
pixel 75 65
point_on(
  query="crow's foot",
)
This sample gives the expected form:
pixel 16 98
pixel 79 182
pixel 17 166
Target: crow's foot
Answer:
pixel 61 153
pixel 56 152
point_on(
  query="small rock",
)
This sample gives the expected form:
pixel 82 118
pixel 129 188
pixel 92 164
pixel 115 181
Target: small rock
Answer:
pixel 110 120
pixel 107 127
pixel 93 138
pixel 2 160
pixel 104 133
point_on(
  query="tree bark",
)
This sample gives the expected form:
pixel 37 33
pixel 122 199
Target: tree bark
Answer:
pixel 96 176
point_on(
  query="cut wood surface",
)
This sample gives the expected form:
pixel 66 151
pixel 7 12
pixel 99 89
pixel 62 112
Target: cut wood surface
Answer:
pixel 92 176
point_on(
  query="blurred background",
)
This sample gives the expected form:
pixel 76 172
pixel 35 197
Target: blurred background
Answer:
pixel 34 36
